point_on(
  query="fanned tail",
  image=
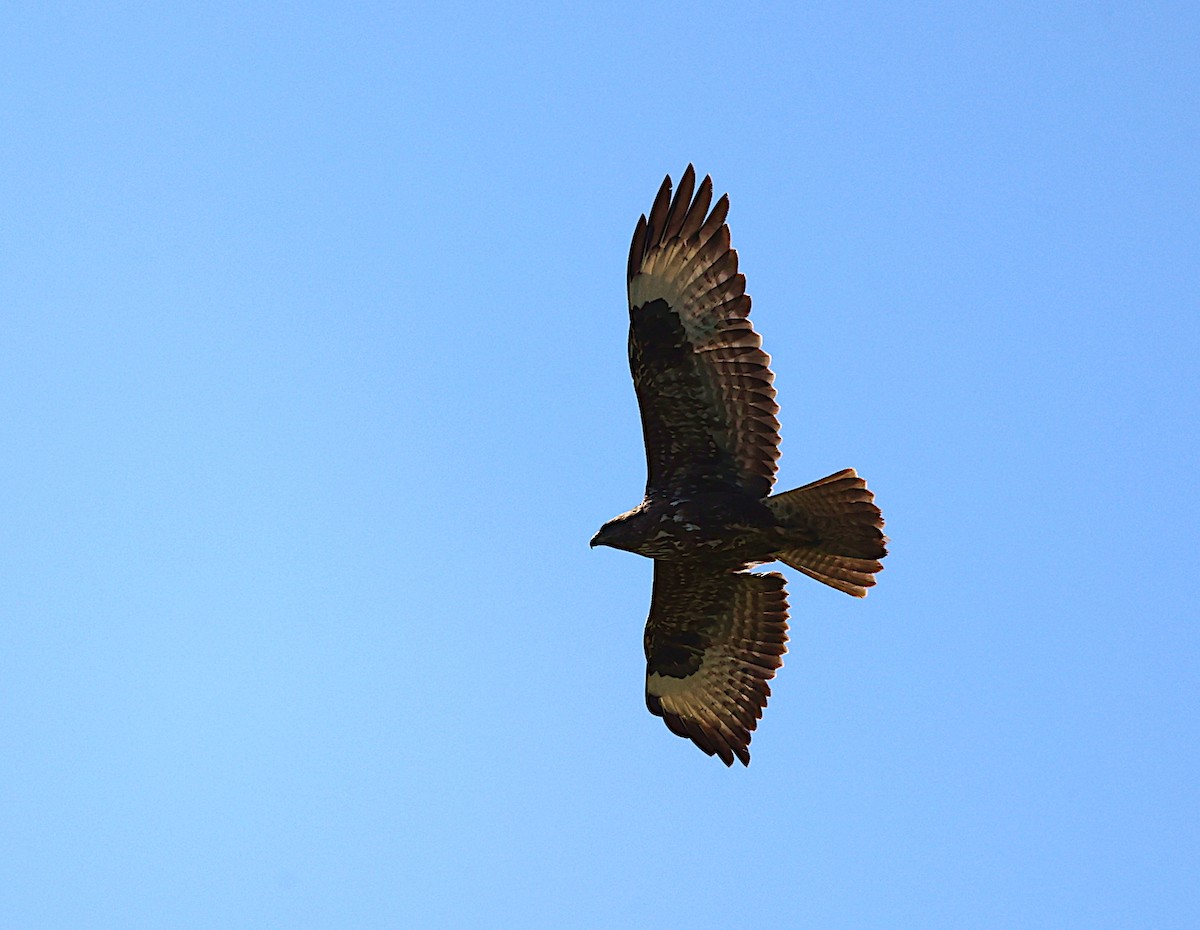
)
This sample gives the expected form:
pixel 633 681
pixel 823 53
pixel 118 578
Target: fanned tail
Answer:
pixel 841 529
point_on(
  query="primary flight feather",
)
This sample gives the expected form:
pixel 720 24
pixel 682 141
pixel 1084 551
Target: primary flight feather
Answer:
pixel 716 633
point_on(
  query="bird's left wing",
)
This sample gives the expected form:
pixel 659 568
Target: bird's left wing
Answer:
pixel 702 379
pixel 713 641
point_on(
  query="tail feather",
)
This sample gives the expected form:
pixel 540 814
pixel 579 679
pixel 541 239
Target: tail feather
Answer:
pixel 841 529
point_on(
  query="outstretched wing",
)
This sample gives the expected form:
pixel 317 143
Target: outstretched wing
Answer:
pixel 713 641
pixel 702 379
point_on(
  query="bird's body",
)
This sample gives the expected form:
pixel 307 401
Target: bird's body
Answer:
pixel 716 633
pixel 721 529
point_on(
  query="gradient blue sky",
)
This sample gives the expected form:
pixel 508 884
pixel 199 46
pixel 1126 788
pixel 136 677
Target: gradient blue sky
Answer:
pixel 313 390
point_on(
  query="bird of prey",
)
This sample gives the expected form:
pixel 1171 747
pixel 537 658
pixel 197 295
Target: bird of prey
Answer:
pixel 717 632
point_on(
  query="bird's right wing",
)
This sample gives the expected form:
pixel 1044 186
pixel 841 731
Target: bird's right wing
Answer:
pixel 713 641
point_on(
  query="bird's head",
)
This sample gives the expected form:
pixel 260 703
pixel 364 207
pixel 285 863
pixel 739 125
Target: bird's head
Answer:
pixel 620 532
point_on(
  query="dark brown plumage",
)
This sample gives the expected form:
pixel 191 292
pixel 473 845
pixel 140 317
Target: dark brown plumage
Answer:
pixel 716 633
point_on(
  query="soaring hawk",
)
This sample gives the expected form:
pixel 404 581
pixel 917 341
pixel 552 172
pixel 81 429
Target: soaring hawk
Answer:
pixel 716 632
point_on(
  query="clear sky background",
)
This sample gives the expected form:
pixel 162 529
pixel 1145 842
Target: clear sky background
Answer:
pixel 313 390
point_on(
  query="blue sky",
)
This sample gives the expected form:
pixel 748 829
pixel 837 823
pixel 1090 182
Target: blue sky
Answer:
pixel 313 390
